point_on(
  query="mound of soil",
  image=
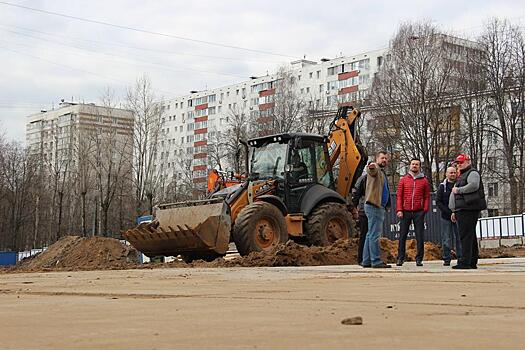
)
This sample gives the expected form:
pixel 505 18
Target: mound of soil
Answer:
pixel 503 252
pixel 79 253
pixel 342 252
pixel 98 253
pixel 389 250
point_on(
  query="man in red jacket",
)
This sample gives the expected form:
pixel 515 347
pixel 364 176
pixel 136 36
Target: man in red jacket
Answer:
pixel 413 202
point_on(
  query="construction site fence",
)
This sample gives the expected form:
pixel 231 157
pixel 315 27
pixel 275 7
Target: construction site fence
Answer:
pixel 501 227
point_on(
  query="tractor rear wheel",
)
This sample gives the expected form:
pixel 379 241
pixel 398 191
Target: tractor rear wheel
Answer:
pixel 259 227
pixel 327 223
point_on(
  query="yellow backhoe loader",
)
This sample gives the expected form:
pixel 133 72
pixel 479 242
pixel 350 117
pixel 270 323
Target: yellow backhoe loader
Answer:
pixel 298 187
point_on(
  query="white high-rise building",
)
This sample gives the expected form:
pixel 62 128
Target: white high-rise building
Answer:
pixel 190 121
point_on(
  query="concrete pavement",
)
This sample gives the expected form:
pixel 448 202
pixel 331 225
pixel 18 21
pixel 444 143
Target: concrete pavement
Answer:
pixel 267 308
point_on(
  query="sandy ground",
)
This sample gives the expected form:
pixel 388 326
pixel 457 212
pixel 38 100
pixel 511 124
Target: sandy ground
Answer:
pixel 267 308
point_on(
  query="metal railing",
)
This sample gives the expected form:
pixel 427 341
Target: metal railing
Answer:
pixel 501 227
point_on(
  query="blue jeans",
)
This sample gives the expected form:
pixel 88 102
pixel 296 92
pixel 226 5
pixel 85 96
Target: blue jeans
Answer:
pixel 450 236
pixel 371 250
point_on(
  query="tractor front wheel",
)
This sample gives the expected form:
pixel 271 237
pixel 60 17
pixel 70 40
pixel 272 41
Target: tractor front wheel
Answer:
pixel 259 227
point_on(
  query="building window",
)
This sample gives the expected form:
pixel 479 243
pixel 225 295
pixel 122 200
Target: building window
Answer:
pixel 321 86
pixel 311 75
pixel 307 90
pixel 332 85
pixel 318 74
pixel 379 61
pixel 493 189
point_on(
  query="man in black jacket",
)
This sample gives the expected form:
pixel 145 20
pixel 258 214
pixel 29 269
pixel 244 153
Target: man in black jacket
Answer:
pixel 449 229
pixel 358 201
pixel 466 202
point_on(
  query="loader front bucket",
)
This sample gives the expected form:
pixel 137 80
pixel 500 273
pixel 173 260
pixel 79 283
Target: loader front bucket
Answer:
pixel 197 226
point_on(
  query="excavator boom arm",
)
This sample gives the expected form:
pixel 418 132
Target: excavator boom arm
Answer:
pixel 346 153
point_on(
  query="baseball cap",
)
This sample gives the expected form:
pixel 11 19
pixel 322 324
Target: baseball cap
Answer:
pixel 462 158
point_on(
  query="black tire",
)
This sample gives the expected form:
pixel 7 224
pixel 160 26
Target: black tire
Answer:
pixel 260 226
pixel 327 223
pixel 206 256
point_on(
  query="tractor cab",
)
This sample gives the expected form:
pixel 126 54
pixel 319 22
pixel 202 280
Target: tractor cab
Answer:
pixel 296 161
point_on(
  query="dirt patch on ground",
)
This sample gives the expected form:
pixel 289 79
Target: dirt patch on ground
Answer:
pixel 517 251
pixel 97 253
pixel 78 253
pixel 343 252
pixel 389 250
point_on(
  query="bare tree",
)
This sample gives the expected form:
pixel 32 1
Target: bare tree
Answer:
pixel 84 174
pixel 317 114
pixel 147 135
pixel 289 104
pixel 17 171
pixel 474 130
pixel 237 131
pixel 504 67
pixel 216 149
pixel 411 91
pixel 111 159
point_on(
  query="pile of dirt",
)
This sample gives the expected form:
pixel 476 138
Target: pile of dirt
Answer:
pixel 389 250
pixel 79 253
pixel 502 252
pixel 98 253
pixel 342 252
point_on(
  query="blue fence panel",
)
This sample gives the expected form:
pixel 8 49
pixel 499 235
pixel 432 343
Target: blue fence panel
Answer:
pixel 8 258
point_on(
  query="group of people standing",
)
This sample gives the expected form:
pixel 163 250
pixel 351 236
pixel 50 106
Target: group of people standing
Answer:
pixel 460 199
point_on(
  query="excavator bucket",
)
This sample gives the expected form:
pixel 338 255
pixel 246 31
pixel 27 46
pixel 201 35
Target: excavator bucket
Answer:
pixel 197 226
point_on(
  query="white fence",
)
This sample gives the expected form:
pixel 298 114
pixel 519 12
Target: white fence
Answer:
pixel 510 226
pixel 28 253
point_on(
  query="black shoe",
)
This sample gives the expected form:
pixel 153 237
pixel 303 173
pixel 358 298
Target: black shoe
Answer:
pixel 381 265
pixel 367 265
pixel 419 263
pixel 461 267
pixel 474 267
pixel 399 262
pixel 446 263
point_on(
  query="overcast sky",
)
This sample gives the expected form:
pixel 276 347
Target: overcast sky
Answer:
pixel 45 57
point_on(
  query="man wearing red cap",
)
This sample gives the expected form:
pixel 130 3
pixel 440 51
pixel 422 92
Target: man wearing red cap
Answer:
pixel 466 202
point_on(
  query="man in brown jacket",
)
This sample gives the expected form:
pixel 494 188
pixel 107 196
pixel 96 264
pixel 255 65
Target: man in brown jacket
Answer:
pixel 377 199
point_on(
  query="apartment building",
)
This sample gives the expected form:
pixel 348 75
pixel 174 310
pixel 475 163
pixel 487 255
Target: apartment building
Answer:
pixel 55 134
pixel 190 121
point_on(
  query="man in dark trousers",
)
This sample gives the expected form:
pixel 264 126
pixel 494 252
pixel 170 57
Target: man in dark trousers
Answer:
pixel 449 229
pixel 413 202
pixel 466 202
pixel 358 201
